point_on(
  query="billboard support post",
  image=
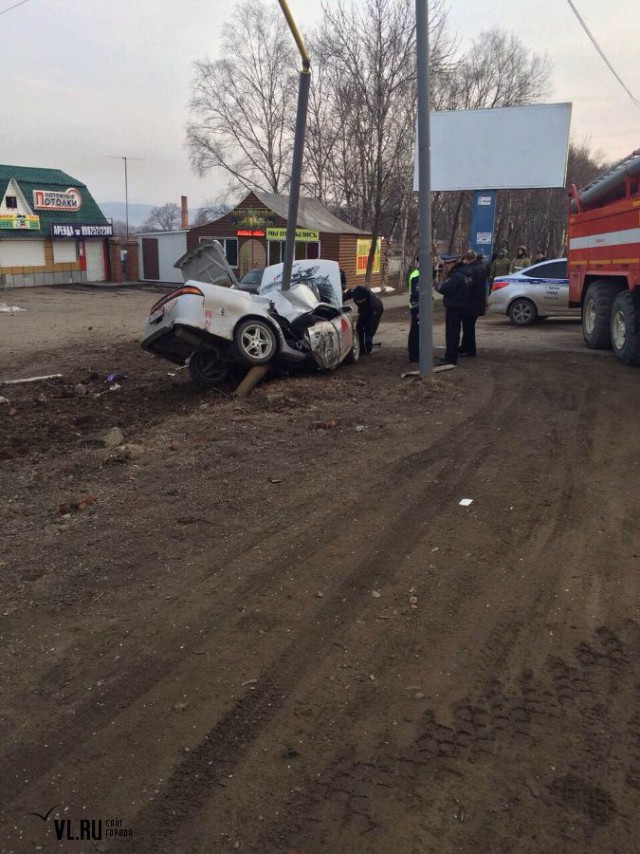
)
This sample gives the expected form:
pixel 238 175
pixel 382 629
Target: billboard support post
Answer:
pixel 483 213
pixel 425 307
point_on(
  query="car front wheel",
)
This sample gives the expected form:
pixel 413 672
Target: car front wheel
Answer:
pixel 522 312
pixel 256 342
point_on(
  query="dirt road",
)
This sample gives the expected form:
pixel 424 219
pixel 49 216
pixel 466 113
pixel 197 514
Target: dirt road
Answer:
pixel 272 627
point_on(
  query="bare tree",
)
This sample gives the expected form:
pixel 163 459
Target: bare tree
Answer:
pixel 323 134
pixel 119 228
pixel 370 48
pixel 244 104
pixel 498 71
pixel 538 218
pixel 534 218
pixel 163 218
pixel 210 210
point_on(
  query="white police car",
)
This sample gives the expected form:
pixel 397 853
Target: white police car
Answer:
pixel 539 291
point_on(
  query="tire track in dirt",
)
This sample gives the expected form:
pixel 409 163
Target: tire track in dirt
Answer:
pixel 130 685
pixel 487 654
pixel 256 711
pixel 243 724
pixel 516 714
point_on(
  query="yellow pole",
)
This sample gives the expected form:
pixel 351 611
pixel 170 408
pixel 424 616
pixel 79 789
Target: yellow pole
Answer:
pixel 306 62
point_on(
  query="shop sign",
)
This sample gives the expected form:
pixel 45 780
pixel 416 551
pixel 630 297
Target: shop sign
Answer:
pixel 81 231
pixel 303 235
pixel 250 232
pixel 54 200
pixel 20 221
pixel 252 217
pixel 362 256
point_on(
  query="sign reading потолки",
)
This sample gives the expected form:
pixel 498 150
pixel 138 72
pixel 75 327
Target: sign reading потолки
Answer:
pixel 54 200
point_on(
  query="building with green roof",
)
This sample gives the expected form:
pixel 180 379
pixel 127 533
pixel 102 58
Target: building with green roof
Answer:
pixel 51 229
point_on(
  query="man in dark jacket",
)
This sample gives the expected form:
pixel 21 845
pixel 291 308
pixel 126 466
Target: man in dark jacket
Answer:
pixel 477 270
pixel 370 311
pixel 455 291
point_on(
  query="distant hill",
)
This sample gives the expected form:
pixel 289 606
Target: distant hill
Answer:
pixel 117 210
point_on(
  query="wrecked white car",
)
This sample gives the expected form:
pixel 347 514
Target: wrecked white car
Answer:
pixel 217 328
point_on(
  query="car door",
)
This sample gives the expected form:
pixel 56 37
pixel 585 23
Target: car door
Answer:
pixel 549 281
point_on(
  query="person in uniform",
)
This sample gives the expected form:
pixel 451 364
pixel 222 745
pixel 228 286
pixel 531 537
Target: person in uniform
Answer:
pixel 521 260
pixel 500 266
pixel 477 302
pixel 455 291
pixel 370 310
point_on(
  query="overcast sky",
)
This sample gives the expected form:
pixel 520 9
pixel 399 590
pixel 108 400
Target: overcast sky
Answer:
pixel 85 79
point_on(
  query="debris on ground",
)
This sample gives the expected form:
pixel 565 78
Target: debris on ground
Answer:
pixel 110 438
pixel 330 424
pixel 68 507
pixel 31 380
pixel 116 376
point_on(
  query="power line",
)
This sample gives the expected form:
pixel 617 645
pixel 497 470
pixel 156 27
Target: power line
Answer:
pixel 602 54
pixel 15 6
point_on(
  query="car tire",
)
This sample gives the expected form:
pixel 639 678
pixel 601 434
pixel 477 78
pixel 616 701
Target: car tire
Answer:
pixel 625 327
pixel 596 315
pixel 206 370
pixel 256 341
pixel 522 312
pixel 354 353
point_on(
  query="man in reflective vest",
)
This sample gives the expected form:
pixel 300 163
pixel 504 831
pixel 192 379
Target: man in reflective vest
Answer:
pixel 414 303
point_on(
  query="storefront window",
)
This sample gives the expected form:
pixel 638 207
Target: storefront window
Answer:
pixel 274 252
pixel 303 251
pixel 231 250
pixel 230 246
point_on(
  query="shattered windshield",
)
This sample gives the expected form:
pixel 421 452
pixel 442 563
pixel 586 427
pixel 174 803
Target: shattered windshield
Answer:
pixel 319 284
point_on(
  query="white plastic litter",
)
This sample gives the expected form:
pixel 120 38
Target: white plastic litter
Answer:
pixel 465 502
pixel 10 309
pixel 30 379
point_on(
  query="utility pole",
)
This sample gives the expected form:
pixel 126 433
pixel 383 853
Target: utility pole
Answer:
pixel 126 184
pixel 425 307
pixel 298 148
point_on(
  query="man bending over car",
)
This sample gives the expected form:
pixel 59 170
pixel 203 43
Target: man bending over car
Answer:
pixel 370 311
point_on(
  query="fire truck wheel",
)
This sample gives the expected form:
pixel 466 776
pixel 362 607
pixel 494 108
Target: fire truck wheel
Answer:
pixel 522 312
pixel 596 315
pixel 625 328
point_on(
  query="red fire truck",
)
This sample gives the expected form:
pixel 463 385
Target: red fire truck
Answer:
pixel 603 254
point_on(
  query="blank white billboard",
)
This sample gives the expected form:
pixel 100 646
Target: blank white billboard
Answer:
pixel 502 149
